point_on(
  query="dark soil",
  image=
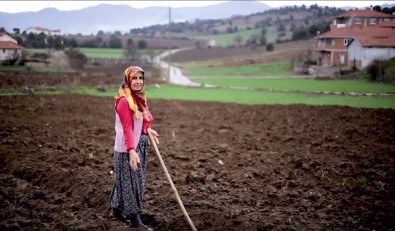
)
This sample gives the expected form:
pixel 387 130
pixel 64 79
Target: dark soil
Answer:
pixel 91 76
pixel 235 167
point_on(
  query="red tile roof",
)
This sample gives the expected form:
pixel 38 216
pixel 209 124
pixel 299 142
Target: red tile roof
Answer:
pixel 368 41
pixel 9 45
pixel 363 14
pixel 375 36
pixel 38 28
pixel 387 24
pixel 348 32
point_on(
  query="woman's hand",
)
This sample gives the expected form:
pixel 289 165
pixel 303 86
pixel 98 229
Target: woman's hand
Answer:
pixel 133 159
pixel 154 134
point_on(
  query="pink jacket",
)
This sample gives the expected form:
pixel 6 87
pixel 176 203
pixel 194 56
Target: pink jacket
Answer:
pixel 128 128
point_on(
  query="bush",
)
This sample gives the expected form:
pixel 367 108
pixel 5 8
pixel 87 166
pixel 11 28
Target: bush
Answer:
pixel 389 71
pixel 382 70
pixel 77 58
pixel 269 47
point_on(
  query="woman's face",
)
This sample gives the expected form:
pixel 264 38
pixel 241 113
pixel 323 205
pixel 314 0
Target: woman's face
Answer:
pixel 137 82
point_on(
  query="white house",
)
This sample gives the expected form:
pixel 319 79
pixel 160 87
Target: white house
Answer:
pixel 9 49
pixel 356 38
pixel 5 37
pixel 362 52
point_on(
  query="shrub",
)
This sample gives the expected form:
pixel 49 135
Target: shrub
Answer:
pixel 382 70
pixel 269 47
pixel 77 58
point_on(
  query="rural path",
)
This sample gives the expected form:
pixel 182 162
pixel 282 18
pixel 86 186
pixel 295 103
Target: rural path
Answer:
pixel 177 77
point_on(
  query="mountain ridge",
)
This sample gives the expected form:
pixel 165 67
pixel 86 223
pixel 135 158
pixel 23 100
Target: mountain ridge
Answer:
pixel 121 17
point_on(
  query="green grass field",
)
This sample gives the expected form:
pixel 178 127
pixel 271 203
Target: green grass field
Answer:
pixel 235 96
pixel 281 68
pixel 269 80
pixel 303 84
pixel 103 53
pixel 12 68
pixel 225 40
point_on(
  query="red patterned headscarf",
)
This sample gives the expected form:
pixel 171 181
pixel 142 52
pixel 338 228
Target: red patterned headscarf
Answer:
pixel 137 100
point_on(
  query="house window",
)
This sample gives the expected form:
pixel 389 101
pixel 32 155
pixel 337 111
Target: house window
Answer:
pixel 333 42
pixel 357 21
pixel 372 21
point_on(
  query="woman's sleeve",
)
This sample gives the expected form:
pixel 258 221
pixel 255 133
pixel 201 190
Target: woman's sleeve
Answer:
pixel 125 115
pixel 147 124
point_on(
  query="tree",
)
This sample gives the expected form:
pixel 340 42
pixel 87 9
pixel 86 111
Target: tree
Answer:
pixel 262 41
pixel 269 47
pixel 115 42
pixel 238 39
pixel 130 49
pixel 58 43
pixel 377 8
pixel 198 44
pixel 16 30
pixel 254 40
pixel 50 42
pixel 263 32
pixel 281 27
pixel 313 29
pixel 98 41
pixel 77 58
pixel 72 42
pixel 142 44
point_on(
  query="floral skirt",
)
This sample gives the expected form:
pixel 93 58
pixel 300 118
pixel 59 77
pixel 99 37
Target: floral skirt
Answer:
pixel 128 191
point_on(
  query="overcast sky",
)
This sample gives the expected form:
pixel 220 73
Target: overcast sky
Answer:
pixel 23 6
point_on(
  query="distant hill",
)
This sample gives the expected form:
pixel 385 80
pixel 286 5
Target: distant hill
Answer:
pixel 110 18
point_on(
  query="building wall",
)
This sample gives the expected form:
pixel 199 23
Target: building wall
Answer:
pixel 7 54
pixel 355 54
pixel 361 22
pixel 365 55
pixel 6 37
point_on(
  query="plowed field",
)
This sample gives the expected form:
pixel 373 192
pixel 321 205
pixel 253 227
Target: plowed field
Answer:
pixel 235 167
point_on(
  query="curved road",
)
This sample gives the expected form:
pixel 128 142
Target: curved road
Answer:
pixel 176 75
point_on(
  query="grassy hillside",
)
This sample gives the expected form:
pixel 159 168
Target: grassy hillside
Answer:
pixel 229 39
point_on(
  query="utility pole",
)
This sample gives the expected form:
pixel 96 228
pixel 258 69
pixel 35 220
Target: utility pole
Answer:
pixel 169 39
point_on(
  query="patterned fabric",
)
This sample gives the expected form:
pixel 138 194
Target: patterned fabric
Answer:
pixel 128 190
pixel 137 100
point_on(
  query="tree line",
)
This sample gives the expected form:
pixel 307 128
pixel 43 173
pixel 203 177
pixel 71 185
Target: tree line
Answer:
pixel 59 42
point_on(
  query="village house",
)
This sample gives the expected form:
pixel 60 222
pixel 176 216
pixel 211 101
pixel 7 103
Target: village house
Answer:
pixel 10 51
pixel 356 38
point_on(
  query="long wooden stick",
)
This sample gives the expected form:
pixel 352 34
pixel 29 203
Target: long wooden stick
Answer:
pixel 171 183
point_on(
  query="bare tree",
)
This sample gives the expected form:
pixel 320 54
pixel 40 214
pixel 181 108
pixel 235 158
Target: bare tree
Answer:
pixel 130 49
pixel 238 39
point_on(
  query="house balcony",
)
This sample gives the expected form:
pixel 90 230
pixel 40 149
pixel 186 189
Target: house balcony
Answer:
pixel 324 47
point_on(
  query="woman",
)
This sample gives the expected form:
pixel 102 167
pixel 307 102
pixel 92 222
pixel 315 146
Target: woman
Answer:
pixel 132 125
